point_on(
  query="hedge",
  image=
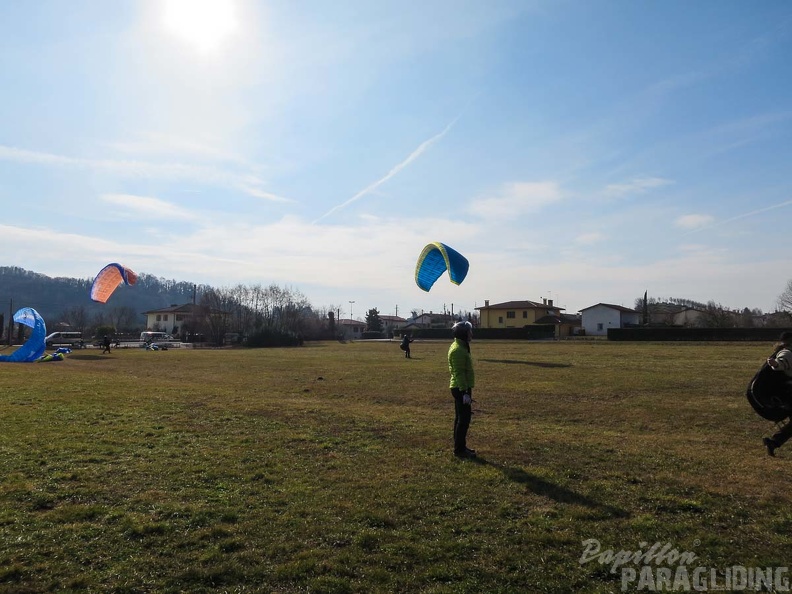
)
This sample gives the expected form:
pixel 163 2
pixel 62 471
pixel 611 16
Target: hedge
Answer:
pixel 530 332
pixel 696 334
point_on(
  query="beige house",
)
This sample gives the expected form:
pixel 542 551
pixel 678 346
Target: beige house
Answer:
pixel 351 328
pixel 565 324
pixel 689 316
pixel 392 323
pixel 516 314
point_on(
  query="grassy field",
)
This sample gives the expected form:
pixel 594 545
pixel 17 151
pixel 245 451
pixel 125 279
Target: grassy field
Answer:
pixel 328 468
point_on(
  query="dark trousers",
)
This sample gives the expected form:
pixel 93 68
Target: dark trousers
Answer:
pixel 783 434
pixel 462 414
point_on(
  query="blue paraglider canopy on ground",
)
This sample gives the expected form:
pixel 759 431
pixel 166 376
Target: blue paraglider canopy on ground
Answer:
pixel 34 346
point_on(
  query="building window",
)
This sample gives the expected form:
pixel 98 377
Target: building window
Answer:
pixel 500 319
pixel 165 318
pixel 159 318
pixel 599 327
pixel 510 315
pixel 525 314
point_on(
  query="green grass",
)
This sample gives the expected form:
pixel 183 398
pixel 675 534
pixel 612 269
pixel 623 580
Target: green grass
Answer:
pixel 328 468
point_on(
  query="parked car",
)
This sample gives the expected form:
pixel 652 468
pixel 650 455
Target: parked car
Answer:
pixel 162 340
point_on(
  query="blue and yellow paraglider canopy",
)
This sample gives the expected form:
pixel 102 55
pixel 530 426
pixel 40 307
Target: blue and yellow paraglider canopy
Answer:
pixel 434 260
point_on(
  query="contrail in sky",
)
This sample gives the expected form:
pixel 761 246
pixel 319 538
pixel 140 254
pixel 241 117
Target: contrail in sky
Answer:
pixel 412 157
pixel 742 216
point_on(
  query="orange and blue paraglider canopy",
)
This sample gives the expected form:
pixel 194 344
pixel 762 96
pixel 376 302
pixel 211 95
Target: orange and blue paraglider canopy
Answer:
pixel 108 280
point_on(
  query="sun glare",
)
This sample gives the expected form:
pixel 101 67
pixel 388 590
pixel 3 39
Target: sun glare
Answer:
pixel 201 24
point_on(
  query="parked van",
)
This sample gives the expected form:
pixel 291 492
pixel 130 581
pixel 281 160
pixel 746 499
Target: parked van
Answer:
pixel 70 339
pixel 155 337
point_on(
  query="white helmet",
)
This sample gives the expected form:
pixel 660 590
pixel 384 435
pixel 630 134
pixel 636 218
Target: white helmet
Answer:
pixel 462 330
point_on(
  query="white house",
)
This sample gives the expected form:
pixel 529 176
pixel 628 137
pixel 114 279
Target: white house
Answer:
pixel 598 318
pixel 430 320
pixel 170 319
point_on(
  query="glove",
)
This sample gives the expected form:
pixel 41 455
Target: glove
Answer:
pixel 467 399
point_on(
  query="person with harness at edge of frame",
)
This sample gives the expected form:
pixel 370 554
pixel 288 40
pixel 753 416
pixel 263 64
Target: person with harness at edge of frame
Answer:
pixel 781 360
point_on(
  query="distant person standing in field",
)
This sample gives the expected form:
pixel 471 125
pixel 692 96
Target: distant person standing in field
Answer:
pixel 781 360
pixel 405 345
pixel 106 344
pixel 460 365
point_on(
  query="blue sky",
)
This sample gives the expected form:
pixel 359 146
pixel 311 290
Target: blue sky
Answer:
pixel 583 151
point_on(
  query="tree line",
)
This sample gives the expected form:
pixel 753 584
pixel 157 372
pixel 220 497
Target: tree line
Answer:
pixel 257 314
pixel 714 315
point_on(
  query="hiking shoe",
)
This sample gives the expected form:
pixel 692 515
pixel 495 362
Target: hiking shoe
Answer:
pixel 770 445
pixel 470 453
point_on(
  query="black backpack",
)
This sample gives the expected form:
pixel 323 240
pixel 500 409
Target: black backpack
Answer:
pixel 770 393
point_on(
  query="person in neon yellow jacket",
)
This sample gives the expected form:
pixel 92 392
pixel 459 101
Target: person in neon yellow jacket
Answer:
pixel 463 379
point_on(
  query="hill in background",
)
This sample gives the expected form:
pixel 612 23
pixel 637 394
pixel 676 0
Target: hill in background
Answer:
pixel 52 297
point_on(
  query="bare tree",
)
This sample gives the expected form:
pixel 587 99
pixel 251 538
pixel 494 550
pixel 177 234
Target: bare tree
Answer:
pixel 76 317
pixel 243 315
pixel 779 319
pixel 717 316
pixel 215 310
pixel 785 298
pixel 747 318
pixel 122 318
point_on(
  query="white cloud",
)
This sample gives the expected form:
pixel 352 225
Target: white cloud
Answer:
pixel 374 264
pixel 694 247
pixel 590 238
pixel 639 185
pixel 516 198
pixel 154 143
pixel 694 221
pixel 246 183
pixel 149 208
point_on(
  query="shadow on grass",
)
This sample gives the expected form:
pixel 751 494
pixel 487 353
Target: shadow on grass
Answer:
pixel 545 488
pixel 534 363
pixel 87 357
